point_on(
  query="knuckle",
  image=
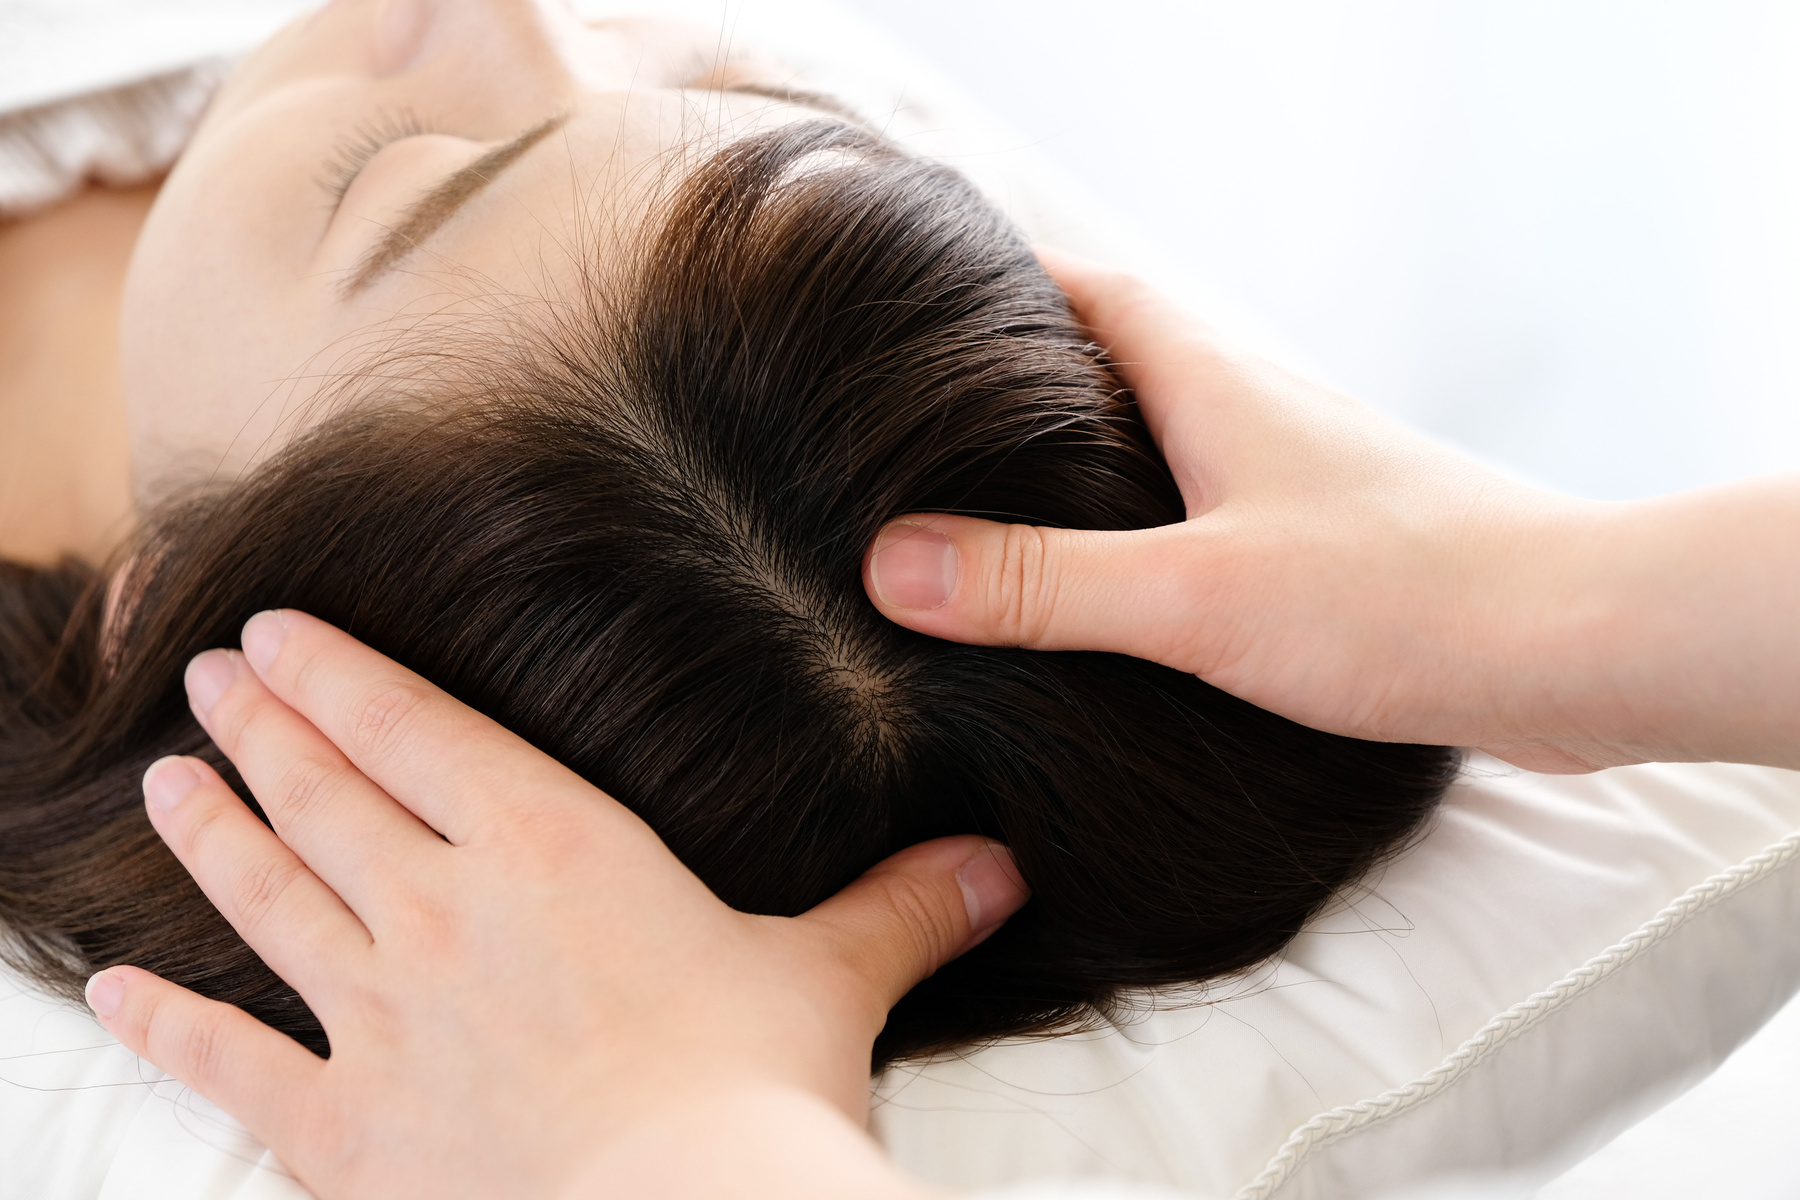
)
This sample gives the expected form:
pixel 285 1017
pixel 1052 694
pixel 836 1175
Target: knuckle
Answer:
pixel 381 717
pixel 1021 598
pixel 922 919
pixel 193 1050
pixel 306 787
pixel 257 889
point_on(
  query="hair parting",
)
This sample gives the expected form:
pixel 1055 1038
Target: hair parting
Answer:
pixel 634 535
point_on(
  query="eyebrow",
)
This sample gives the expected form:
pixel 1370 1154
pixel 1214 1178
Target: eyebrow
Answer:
pixel 423 217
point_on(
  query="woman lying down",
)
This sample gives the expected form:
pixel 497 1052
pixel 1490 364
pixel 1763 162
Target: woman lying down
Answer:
pixel 580 386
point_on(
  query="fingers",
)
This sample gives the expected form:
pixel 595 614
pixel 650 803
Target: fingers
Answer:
pixel 446 762
pixel 298 925
pixel 1164 352
pixel 990 584
pixel 910 914
pixel 348 831
pixel 256 1074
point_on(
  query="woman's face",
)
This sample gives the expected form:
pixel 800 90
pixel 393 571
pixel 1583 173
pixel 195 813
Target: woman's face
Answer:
pixel 383 162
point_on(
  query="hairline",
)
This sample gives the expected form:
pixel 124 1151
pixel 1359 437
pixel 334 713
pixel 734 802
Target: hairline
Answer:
pixel 427 214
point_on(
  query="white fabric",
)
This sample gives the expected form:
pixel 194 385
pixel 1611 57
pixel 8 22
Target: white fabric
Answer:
pixel 109 90
pixel 119 137
pixel 52 50
pixel 81 1118
pixel 1555 959
pixel 1732 1135
pixel 1115 1189
pixel 1080 1189
pixel 1558 957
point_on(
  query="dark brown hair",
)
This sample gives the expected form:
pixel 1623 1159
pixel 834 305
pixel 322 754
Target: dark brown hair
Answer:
pixel 635 537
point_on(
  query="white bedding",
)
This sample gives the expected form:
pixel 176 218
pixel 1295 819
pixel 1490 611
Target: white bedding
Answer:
pixel 1558 958
pixel 1554 960
pixel 1732 1135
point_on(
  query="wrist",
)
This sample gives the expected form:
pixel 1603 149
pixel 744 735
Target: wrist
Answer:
pixel 1662 630
pixel 1542 631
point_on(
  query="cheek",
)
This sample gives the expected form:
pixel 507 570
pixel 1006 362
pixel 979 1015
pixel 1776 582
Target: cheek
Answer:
pixel 207 337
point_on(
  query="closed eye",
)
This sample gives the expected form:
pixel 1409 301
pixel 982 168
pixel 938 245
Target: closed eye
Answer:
pixel 368 139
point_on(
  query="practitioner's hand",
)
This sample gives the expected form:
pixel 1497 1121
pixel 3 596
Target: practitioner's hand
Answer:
pixel 1348 574
pixel 526 993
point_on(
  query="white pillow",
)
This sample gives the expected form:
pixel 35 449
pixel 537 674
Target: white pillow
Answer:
pixel 1555 959
pixel 1558 957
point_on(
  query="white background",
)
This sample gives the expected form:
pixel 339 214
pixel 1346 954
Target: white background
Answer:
pixel 1563 234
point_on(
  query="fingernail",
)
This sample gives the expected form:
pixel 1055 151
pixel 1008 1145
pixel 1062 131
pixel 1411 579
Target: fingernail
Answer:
pixel 168 782
pixel 263 635
pixel 913 567
pixel 992 890
pixel 105 992
pixel 209 676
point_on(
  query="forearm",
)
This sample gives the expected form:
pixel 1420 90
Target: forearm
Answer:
pixel 1671 630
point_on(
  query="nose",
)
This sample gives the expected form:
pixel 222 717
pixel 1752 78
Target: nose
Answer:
pixel 536 54
pixel 507 60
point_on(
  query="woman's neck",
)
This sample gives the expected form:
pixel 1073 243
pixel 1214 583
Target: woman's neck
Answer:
pixel 64 461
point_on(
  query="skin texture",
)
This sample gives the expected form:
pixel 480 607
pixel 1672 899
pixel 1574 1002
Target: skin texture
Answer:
pixel 434 888
pixel 63 454
pixel 1360 579
pixel 232 328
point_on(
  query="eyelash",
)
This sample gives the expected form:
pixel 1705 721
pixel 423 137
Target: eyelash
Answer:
pixel 364 143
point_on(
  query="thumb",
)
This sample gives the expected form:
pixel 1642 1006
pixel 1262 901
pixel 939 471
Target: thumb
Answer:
pixel 990 584
pixel 916 910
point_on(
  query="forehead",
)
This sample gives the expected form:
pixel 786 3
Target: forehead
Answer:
pixel 583 195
